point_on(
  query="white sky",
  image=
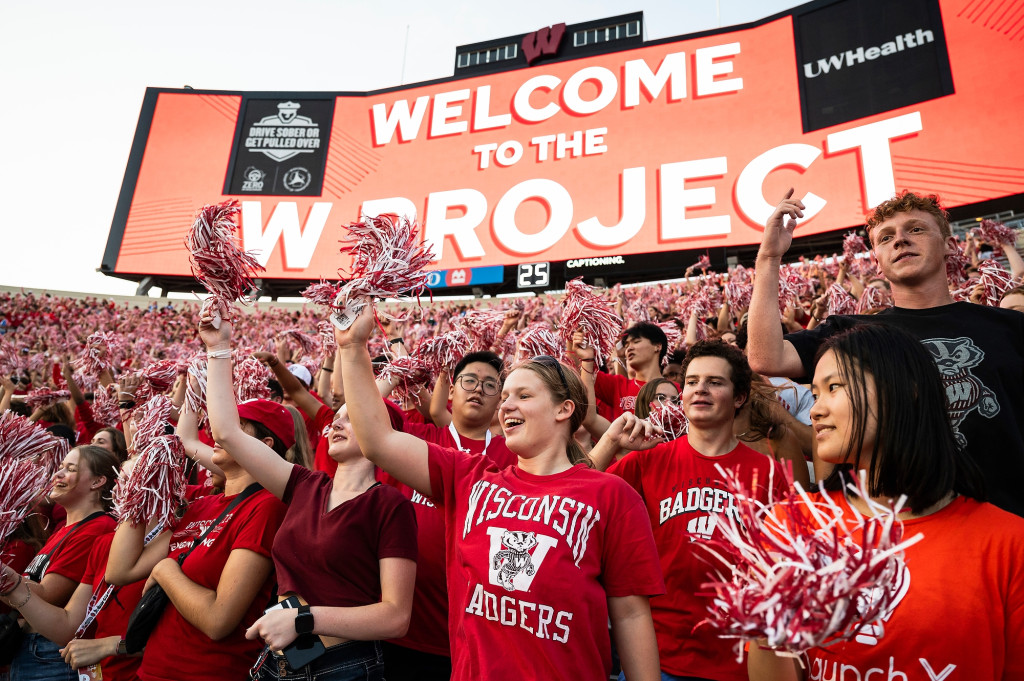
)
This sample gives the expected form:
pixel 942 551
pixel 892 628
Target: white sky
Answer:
pixel 74 75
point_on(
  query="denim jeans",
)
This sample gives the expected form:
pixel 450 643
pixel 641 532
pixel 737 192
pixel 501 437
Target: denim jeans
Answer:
pixel 352 661
pixel 38 659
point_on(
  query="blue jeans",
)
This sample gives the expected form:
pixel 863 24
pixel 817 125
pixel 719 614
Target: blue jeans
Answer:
pixel 38 659
pixel 352 661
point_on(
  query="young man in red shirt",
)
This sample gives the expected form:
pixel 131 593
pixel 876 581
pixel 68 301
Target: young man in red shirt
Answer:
pixel 646 346
pixel 685 494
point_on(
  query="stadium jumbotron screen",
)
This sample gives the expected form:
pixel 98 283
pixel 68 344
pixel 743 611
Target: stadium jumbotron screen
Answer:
pixel 679 144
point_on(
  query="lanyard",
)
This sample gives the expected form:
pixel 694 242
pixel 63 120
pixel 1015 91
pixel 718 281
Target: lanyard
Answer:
pixel 458 440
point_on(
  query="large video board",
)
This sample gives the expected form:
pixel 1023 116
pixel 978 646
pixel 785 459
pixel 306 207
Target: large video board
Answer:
pixel 680 144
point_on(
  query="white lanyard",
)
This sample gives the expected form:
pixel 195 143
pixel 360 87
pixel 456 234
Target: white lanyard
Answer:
pixel 96 604
pixel 458 440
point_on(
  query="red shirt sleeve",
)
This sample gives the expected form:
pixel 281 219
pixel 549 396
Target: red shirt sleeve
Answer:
pixel 73 555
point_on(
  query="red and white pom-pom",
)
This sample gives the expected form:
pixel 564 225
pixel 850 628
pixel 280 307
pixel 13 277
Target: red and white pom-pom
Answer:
pixel 388 261
pixel 674 336
pixel 638 311
pixel 956 265
pixel 584 310
pixel 161 374
pixel 102 350
pixel 840 301
pixel 441 353
pixel 105 409
pixel 996 280
pixel 410 375
pixel 536 340
pixel 853 244
pixel 793 285
pixel 21 438
pixel 251 378
pixel 308 345
pixel 8 358
pixel 22 482
pixel 703 263
pixel 995 233
pixel 322 293
pixel 154 487
pixel 151 421
pixel 325 332
pixel 670 418
pixel 482 327
pixel 40 398
pixel 802 573
pixel 738 293
pixel 873 299
pixel 195 395
pixel 224 269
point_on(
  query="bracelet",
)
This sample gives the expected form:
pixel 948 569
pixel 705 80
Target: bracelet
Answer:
pixel 19 606
pixel 585 370
pixel 395 341
pixel 219 354
pixel 126 404
pixel 122 392
pixel 587 360
pixel 326 369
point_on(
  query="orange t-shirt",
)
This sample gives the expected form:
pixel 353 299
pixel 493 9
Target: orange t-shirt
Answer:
pixel 959 616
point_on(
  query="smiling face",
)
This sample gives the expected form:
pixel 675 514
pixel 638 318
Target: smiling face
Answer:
pixel 911 249
pixel 709 397
pixel 833 417
pixel 474 408
pixel 341 440
pixel 73 481
pixel 529 415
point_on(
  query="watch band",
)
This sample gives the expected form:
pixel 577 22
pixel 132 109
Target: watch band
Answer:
pixel 122 647
pixel 304 620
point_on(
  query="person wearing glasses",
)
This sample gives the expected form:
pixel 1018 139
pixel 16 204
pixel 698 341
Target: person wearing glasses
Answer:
pixel 425 651
pixel 540 554
pixel 684 491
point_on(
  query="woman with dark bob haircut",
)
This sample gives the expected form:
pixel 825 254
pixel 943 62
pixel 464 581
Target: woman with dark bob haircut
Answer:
pixel 880 412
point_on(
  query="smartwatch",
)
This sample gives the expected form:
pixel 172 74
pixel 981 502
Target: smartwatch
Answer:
pixel 304 620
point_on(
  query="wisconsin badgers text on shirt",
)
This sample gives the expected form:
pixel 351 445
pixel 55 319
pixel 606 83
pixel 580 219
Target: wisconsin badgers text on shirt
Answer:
pixel 540 620
pixel 706 499
pixel 571 519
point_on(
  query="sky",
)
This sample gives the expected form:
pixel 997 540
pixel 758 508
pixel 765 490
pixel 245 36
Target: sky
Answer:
pixel 75 73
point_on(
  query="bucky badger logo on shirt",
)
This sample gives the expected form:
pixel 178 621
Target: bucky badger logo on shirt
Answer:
pixel 955 358
pixel 512 566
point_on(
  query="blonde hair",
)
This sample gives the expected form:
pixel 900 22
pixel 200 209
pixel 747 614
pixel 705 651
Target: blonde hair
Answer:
pixel 301 452
pixel 563 384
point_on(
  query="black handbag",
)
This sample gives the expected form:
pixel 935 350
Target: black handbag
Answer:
pixel 152 604
pixel 10 637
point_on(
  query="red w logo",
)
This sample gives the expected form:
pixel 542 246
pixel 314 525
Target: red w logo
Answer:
pixel 545 41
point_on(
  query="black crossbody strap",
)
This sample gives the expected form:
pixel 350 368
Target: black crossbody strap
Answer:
pixel 247 492
pixel 49 557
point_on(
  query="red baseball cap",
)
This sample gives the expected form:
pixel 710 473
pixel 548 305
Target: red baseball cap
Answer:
pixel 273 416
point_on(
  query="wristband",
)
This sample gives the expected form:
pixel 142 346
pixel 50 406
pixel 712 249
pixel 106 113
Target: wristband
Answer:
pixel 122 647
pixel 587 360
pixel 326 369
pixel 219 354
pixel 126 404
pixel 395 341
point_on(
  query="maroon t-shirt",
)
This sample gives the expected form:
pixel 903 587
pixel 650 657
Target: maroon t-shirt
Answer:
pixel 379 523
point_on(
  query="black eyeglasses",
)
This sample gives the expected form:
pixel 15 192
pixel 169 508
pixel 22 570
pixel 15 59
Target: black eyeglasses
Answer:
pixel 549 360
pixel 469 382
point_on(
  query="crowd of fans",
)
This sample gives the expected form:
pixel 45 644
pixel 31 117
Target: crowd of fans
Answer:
pixel 521 490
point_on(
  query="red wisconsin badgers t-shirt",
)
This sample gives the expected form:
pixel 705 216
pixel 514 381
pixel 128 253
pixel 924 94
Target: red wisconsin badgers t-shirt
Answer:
pixel 684 493
pixel 618 392
pixel 178 650
pixel 532 561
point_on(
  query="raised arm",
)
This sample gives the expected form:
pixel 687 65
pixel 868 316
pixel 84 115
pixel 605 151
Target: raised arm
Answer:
pixel 403 456
pixel 258 459
pixel 439 413
pixel 76 392
pixel 130 560
pixel 768 352
pixel 291 386
pixel 323 384
pixel 195 449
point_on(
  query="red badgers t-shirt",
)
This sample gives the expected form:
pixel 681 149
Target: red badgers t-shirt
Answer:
pixel 178 650
pixel 532 561
pixel 684 494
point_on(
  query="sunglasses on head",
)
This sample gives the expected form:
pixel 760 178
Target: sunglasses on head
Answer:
pixel 551 361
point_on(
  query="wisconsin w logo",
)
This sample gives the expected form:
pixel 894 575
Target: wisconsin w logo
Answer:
pixel 545 41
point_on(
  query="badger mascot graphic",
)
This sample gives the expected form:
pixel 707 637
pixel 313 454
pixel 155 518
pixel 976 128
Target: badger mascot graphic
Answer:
pixel 515 557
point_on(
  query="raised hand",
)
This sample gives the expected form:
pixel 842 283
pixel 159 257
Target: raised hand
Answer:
pixel 778 231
